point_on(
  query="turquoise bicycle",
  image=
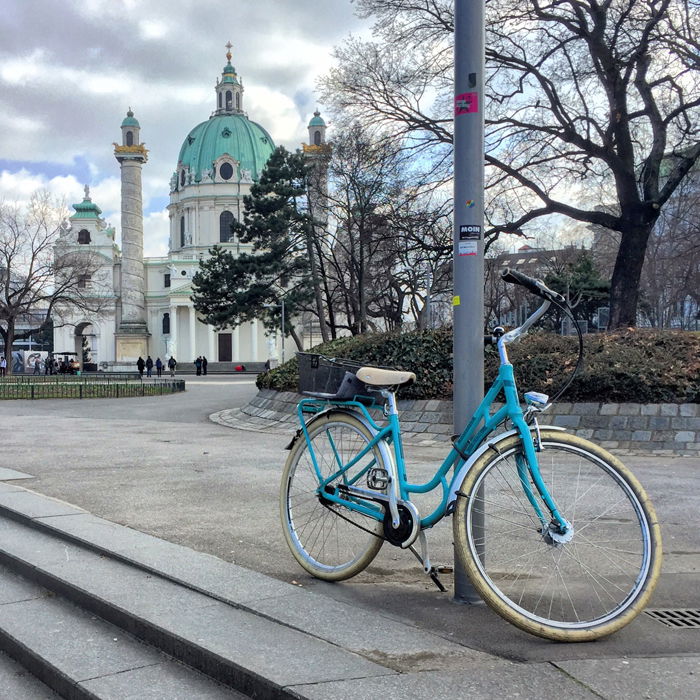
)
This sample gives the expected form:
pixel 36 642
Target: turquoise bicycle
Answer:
pixel 554 532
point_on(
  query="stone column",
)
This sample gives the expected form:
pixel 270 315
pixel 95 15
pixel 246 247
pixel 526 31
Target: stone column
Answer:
pixel 132 334
pixel 173 331
pixel 211 337
pixel 236 350
pixel 254 340
pixel 193 334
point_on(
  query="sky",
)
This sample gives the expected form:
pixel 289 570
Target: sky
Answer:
pixel 70 69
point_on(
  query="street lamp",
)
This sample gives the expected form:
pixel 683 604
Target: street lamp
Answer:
pixel 275 306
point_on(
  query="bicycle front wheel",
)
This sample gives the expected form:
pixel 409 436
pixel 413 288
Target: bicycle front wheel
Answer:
pixel 331 541
pixel 575 587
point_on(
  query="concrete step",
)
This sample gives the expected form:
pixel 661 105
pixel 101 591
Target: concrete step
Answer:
pixel 232 624
pixel 78 655
pixel 18 684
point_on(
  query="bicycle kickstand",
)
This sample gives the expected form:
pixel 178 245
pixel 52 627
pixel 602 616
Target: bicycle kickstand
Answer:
pixel 424 559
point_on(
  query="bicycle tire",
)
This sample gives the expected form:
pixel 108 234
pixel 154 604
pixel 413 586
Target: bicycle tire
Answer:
pixel 572 591
pixel 319 535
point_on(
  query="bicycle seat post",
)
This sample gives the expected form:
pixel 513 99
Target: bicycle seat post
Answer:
pixel 390 397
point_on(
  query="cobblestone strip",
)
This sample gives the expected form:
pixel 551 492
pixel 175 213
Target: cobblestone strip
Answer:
pixel 660 429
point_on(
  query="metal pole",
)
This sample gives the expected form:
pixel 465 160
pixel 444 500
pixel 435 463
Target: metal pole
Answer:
pixel 468 300
pixel 283 329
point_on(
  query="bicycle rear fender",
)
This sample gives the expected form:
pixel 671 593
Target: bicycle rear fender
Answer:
pixel 489 444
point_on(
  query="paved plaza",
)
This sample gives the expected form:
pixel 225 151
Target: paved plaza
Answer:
pixel 161 467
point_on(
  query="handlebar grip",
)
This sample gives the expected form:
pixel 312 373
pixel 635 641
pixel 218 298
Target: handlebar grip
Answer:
pixel 488 340
pixel 535 286
pixel 515 277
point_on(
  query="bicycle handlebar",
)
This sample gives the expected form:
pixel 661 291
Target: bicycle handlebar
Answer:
pixel 536 286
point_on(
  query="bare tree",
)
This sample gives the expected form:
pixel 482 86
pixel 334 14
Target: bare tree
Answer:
pixel 421 223
pixel 586 101
pixel 38 282
pixel 360 250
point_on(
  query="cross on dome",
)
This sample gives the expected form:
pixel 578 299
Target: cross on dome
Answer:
pixel 229 46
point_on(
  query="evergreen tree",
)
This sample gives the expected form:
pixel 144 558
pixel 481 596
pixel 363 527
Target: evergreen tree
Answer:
pixel 582 285
pixel 230 290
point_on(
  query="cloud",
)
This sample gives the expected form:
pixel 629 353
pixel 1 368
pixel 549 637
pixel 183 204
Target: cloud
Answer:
pixel 70 70
pixel 156 234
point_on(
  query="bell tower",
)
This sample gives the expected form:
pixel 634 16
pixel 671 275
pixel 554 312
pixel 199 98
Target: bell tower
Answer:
pixel 132 331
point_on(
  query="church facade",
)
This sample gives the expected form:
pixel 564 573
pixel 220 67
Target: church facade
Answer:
pixel 146 306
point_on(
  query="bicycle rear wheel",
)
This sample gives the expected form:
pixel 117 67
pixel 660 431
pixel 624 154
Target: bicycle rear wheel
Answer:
pixel 330 541
pixel 574 587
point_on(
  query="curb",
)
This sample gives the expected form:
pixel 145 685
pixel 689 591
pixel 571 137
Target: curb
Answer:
pixel 640 429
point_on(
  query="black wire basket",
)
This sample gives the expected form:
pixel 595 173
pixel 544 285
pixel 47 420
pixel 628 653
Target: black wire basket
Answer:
pixel 332 378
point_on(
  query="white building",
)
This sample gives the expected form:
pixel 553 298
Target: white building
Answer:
pixel 148 309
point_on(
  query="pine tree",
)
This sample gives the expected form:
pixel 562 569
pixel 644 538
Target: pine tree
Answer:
pixel 230 290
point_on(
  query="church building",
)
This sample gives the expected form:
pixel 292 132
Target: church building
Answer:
pixel 146 302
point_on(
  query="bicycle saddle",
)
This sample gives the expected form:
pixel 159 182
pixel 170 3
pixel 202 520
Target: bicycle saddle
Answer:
pixel 374 376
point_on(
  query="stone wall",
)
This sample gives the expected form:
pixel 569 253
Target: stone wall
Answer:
pixel 663 429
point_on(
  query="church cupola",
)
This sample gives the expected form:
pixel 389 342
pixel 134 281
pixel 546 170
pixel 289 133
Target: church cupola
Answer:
pixel 317 130
pixel 130 130
pixel 229 90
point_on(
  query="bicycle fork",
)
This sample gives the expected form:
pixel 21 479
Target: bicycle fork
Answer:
pixel 556 530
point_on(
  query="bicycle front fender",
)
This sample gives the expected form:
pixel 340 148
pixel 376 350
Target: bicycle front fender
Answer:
pixel 491 444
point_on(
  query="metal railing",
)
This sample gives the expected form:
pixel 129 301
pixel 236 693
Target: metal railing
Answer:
pixel 86 386
pixel 84 377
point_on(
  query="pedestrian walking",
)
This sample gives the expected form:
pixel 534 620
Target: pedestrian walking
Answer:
pixel 172 364
pixel 140 364
pixel 204 365
pixel 37 366
pixel 3 366
pixel 159 367
pixel 198 365
pixel 149 366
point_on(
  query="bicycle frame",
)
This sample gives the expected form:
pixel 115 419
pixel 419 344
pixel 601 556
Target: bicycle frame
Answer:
pixel 482 423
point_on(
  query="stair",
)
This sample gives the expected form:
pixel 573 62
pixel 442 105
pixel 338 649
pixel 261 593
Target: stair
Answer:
pixel 78 655
pixel 97 610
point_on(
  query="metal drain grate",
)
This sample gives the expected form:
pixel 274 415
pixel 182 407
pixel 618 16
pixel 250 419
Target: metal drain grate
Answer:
pixel 679 619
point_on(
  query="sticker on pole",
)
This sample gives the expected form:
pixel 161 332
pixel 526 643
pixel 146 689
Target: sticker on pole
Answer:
pixel 469 232
pixel 466 103
pixel 467 248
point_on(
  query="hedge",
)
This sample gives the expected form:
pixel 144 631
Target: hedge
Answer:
pixel 634 365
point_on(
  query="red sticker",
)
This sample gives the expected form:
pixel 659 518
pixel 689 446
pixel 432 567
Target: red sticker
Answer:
pixel 466 103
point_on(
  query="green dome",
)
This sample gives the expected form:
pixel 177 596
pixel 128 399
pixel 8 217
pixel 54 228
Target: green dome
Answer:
pixel 317 120
pixel 229 74
pixel 86 209
pixel 130 120
pixel 234 134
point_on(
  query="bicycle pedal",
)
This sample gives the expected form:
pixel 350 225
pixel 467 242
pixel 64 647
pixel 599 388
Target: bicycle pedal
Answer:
pixel 377 479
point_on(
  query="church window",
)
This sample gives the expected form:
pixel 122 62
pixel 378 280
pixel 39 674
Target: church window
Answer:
pixel 166 280
pixel 166 324
pixel 225 221
pixel 238 101
pixel 182 177
pixel 182 232
pixel 229 100
pixel 220 96
pixel 226 171
pixel 84 281
pixel 129 138
pixel 317 138
pixel 83 236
